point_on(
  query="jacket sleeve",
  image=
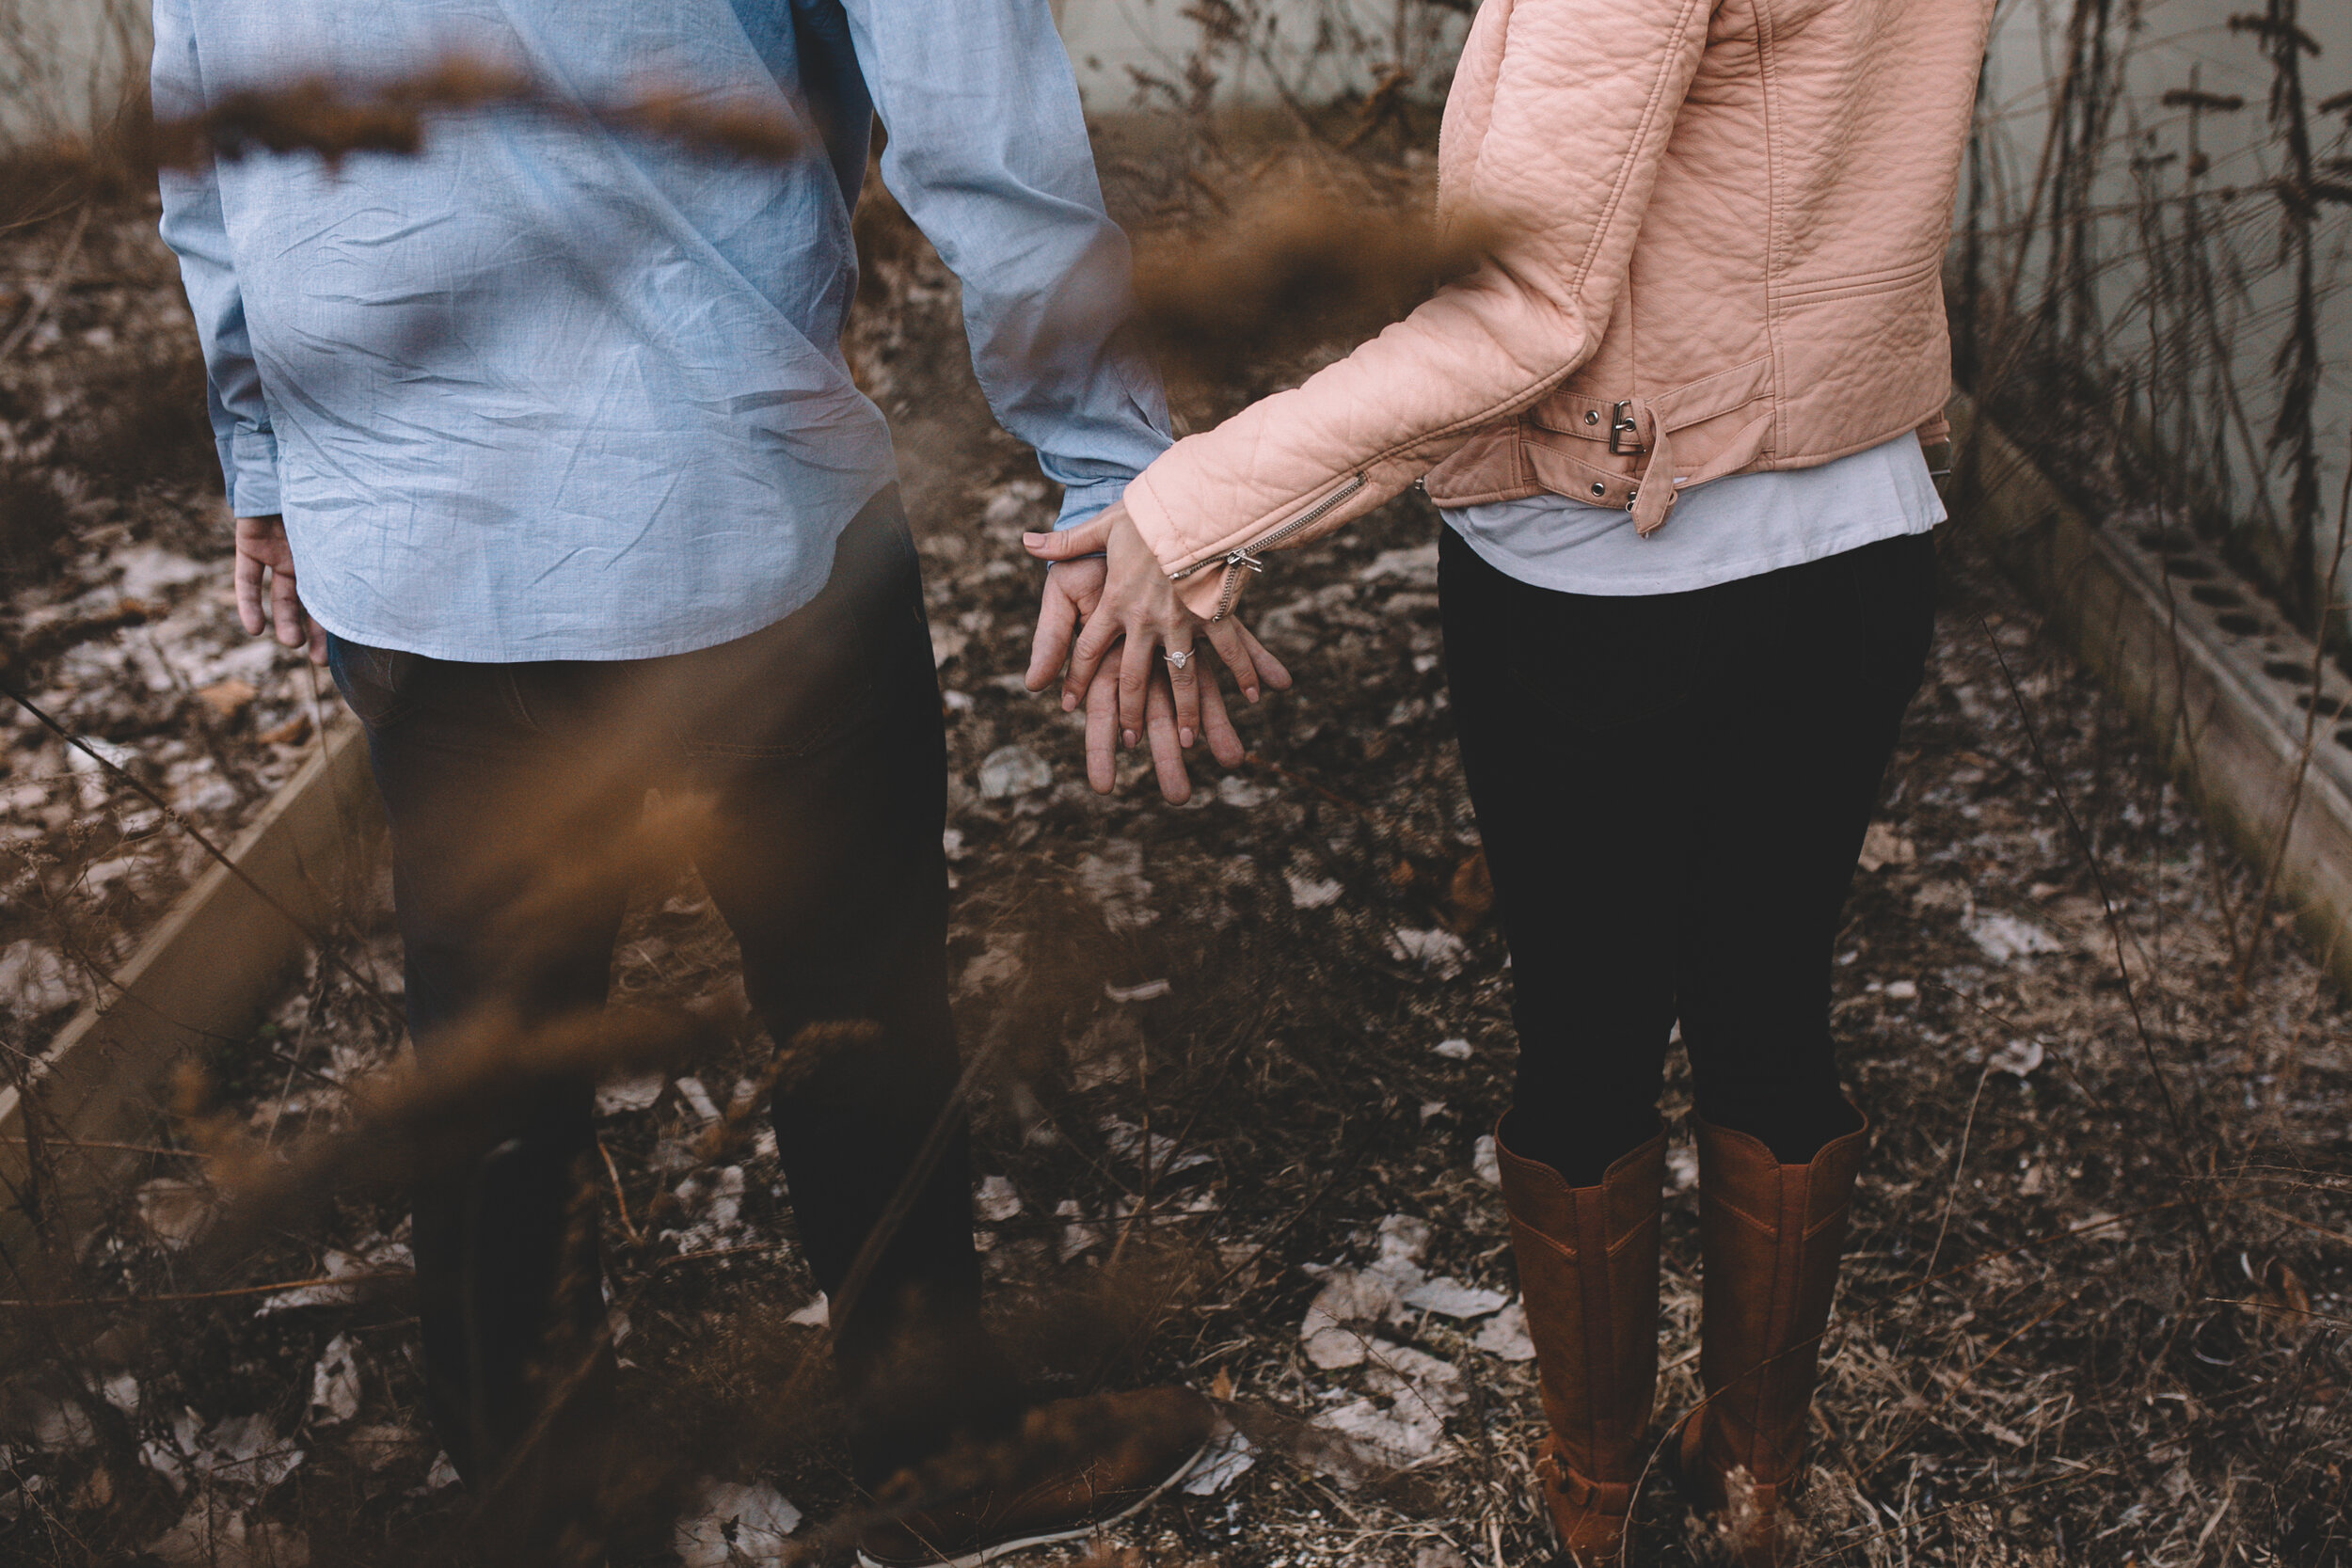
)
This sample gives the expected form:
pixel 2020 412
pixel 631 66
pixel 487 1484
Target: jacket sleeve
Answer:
pixel 197 231
pixel 1583 103
pixel 989 155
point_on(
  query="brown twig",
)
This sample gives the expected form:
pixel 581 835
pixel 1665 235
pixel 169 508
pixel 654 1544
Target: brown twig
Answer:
pixel 181 1296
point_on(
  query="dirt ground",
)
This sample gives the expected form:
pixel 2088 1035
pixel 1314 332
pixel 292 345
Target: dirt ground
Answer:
pixel 1239 1059
pixel 116 616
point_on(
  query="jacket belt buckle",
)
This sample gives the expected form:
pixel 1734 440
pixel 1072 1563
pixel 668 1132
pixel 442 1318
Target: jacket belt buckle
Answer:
pixel 1621 426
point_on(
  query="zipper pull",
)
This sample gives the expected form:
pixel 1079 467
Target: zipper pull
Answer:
pixel 1244 559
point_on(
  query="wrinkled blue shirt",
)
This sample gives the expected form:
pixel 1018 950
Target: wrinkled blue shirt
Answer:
pixel 552 391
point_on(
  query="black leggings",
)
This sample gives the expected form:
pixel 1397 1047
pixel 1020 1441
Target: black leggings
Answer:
pixel 1673 789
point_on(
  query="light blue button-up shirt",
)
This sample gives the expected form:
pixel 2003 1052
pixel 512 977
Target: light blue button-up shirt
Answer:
pixel 549 391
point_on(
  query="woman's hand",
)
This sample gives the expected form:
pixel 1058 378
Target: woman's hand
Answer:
pixel 1073 590
pixel 1139 617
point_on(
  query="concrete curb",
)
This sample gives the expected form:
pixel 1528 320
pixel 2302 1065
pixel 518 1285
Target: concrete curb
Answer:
pixel 205 973
pixel 2203 665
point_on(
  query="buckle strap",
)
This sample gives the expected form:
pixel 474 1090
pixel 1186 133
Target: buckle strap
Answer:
pixel 1600 1497
pixel 1607 422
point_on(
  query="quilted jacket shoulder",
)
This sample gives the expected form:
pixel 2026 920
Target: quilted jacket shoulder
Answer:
pixel 1720 229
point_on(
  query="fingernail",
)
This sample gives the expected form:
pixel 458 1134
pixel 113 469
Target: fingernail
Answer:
pixel 1127 738
pixel 1250 693
pixel 1033 538
pixel 1068 702
pixel 1183 738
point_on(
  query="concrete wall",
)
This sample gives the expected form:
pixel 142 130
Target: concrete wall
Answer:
pixel 62 59
pixel 63 62
pixel 2146 165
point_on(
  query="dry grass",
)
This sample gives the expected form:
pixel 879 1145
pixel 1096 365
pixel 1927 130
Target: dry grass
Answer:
pixel 2077 1328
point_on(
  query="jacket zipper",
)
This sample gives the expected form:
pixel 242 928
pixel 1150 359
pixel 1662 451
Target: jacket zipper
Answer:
pixel 1245 557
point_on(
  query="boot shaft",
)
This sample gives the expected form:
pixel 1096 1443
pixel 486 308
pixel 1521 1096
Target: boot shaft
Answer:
pixel 1772 1236
pixel 1588 1272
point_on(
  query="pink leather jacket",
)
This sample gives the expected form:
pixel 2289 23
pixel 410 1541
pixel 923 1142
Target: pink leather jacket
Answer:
pixel 1723 224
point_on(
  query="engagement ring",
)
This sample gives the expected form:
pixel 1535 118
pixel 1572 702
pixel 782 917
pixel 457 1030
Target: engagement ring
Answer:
pixel 1177 661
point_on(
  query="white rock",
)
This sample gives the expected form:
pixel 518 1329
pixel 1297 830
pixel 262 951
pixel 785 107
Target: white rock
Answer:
pixel 1395 1434
pixel 1350 1297
pixel 816 1314
pixel 80 759
pixel 1106 1053
pixel 716 1207
pixel 698 1098
pixel 1114 879
pixel 1682 1168
pixel 34 980
pixel 1312 892
pixel 1242 793
pixel 1436 950
pixel 733 1525
pixel 1484 1163
pixel 1227 1459
pixel 1011 771
pixel 1126 1140
pixel 170 1464
pixel 1403 1421
pixel 996 1199
pixel 1416 565
pixel 149 569
pixel 1078 1233
pixel 1401 1372
pixel 1504 1335
pixel 636 1093
pixel 1402 1236
pixel 2019 1057
pixel 1450 1298
pixel 335 1384
pixel 62 1424
pixel 999 964
pixel 1453 1050
pixel 1147 990
pixel 246 1452
pixel 1882 846
pixel 2004 937
pixel 381 1256
pixel 175 1212
pixel 1013 503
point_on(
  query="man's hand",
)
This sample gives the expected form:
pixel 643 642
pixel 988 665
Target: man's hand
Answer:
pixel 1136 612
pixel 262 554
pixel 1073 590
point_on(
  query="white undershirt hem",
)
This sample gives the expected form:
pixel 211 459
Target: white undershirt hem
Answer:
pixel 1735 528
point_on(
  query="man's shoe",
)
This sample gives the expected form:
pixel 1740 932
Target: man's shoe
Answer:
pixel 1074 1467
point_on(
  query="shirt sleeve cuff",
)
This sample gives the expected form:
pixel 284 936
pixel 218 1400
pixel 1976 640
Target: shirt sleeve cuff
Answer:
pixel 1080 504
pixel 248 462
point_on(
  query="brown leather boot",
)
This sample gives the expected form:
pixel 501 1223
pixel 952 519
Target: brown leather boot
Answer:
pixel 1588 1271
pixel 1770 1236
